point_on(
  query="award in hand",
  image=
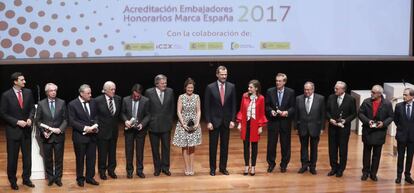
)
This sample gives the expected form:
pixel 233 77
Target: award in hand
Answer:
pixel 47 131
pixel 374 123
pixel 190 126
pixel 93 129
pixel 340 121
pixel 134 123
pixel 277 110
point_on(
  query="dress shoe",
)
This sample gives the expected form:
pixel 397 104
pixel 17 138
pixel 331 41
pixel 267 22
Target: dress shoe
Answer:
pixel 166 172
pixel 157 173
pixel 364 177
pixel 112 175
pixel 28 183
pixel 246 170
pixel 313 171
pixel 331 173
pixel 80 183
pixel 103 176
pixel 59 183
pixel 50 183
pixel 270 168
pixel 212 172
pixel 283 170
pixel 14 186
pixel 129 175
pixel 409 180
pixel 303 170
pixel 339 174
pixel 373 178
pixel 141 175
pixel 225 172
pixel 253 171
pixel 398 180
pixel 92 182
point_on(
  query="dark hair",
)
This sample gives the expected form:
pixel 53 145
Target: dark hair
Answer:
pixel 187 82
pixel 256 84
pixel 220 68
pixel 137 88
pixel 15 76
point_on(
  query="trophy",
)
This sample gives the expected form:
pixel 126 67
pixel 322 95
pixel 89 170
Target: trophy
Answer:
pixel 277 110
pixel 47 132
pixel 340 122
pixel 134 123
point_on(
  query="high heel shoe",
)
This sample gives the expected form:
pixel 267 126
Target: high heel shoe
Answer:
pixel 246 170
pixel 252 171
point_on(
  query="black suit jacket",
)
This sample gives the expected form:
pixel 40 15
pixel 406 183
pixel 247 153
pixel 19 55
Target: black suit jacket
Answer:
pixel 312 123
pixel 288 104
pixel 375 136
pixel 405 126
pixel 59 120
pixel 161 114
pixel 347 108
pixel 143 114
pixel 215 112
pixel 78 119
pixel 108 123
pixel 11 112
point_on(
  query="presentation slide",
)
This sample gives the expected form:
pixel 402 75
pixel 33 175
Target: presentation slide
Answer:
pixel 99 29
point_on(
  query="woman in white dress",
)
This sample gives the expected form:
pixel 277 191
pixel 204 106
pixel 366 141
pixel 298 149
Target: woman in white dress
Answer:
pixel 188 131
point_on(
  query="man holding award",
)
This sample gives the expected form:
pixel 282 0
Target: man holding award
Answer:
pixel 375 114
pixel 340 111
pixel 82 114
pixel 135 114
pixel 52 122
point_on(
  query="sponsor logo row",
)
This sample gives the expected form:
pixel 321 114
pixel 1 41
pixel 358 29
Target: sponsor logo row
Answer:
pixel 150 46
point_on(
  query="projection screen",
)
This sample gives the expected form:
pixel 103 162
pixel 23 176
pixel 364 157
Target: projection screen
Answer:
pixel 52 31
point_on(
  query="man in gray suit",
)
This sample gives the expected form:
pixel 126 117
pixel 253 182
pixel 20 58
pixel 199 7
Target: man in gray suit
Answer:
pixel 52 122
pixel 310 119
pixel 135 114
pixel 162 111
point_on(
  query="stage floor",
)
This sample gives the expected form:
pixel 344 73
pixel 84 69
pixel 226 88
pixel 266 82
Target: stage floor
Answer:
pixel 235 182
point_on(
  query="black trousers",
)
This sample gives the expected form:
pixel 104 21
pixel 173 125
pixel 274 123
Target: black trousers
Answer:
pixel 82 151
pixel 135 140
pixel 13 147
pixel 276 131
pixel 107 155
pixel 53 158
pixel 402 148
pixel 304 153
pixel 214 135
pixel 371 162
pixel 161 162
pixel 338 139
pixel 246 144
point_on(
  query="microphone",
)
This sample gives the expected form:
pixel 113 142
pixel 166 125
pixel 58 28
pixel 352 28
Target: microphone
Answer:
pixel 403 81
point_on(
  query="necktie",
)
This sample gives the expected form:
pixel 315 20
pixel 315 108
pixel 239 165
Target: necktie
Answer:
pixel 279 97
pixel 52 108
pixel 222 93
pixel 408 111
pixel 86 109
pixel 20 98
pixel 162 97
pixel 134 109
pixel 339 101
pixel 111 106
pixel 307 105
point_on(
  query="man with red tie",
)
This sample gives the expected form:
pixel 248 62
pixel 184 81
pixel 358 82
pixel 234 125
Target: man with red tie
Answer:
pixel 17 110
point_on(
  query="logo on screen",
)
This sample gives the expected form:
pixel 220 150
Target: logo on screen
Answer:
pixel 236 46
pixel 166 46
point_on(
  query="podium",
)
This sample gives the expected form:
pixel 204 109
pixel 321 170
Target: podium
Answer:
pixel 360 96
pixel 38 169
pixel 394 92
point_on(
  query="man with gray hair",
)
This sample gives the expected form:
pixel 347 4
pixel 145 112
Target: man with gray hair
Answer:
pixel 162 110
pixel 404 119
pixel 82 118
pixel 52 123
pixel 109 108
pixel 375 114
pixel 340 111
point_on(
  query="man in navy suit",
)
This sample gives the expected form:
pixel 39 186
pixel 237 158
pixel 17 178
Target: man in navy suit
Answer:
pixel 220 112
pixel 404 119
pixel 17 110
pixel 82 118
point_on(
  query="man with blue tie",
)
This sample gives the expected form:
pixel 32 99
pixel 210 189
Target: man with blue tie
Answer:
pixel 403 118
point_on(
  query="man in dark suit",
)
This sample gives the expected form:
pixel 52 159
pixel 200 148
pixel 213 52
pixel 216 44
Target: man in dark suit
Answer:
pixel 52 123
pixel 137 107
pixel 17 110
pixel 340 111
pixel 310 120
pixel 82 118
pixel 404 119
pixel 280 108
pixel 109 108
pixel 220 112
pixel 375 114
pixel 162 110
